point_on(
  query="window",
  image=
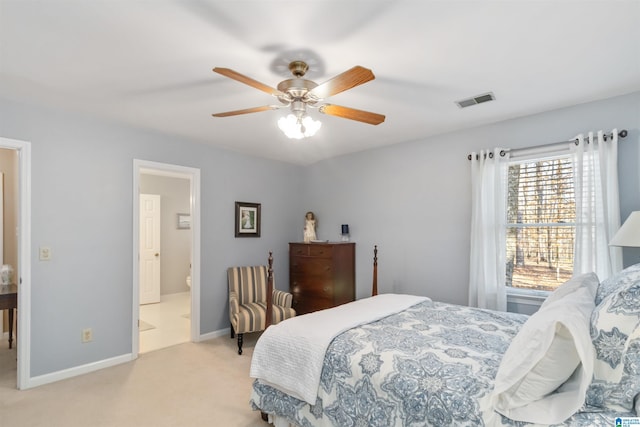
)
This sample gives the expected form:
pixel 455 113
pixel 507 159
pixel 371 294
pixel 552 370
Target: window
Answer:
pixel 541 223
pixel 540 215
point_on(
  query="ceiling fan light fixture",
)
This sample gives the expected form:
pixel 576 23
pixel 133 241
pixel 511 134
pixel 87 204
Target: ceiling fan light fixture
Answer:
pixel 298 128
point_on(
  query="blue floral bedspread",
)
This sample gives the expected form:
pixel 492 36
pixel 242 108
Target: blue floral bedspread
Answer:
pixel 426 366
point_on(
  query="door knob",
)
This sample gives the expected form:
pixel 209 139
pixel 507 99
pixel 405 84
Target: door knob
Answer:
pixel 157 254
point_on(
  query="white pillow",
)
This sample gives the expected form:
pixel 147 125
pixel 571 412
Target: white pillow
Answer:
pixel 544 355
pixel 572 285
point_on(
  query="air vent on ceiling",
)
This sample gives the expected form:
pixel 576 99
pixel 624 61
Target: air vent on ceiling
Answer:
pixel 486 97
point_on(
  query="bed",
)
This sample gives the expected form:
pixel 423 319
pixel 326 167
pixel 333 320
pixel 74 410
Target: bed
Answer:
pixel 425 363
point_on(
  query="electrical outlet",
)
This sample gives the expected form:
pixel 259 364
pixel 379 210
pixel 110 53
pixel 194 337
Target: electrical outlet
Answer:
pixel 87 335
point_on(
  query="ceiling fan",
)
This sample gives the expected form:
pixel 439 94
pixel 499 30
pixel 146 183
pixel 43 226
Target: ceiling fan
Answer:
pixel 299 93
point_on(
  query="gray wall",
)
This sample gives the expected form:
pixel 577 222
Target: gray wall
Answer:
pixel 413 199
pixel 82 193
pixel 175 243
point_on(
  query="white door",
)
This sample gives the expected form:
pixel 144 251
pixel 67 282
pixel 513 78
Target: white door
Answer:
pixel 149 248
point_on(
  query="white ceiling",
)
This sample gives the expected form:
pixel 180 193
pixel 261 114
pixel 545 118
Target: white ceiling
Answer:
pixel 148 63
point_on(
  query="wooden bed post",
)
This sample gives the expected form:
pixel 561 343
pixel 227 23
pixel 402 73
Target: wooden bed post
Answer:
pixel 269 318
pixel 269 314
pixel 374 290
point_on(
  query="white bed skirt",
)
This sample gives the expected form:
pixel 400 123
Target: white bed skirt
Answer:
pixel 279 421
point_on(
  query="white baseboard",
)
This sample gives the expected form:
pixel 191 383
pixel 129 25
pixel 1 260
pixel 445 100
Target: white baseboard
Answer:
pixel 77 370
pixel 106 363
pixel 214 334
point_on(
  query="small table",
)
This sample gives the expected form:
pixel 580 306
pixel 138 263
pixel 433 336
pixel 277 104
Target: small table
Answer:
pixel 9 301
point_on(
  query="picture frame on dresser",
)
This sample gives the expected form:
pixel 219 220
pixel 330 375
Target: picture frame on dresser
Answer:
pixel 247 223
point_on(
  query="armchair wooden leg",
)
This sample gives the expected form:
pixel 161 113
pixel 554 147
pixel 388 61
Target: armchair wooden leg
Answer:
pixel 233 333
pixel 240 343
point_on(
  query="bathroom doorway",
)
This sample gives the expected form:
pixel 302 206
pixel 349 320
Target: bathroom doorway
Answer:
pixel 166 255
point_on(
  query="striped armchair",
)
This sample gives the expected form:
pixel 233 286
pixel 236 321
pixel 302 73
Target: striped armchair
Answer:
pixel 248 301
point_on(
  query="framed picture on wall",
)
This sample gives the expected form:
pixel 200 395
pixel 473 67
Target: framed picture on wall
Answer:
pixel 247 219
pixel 184 221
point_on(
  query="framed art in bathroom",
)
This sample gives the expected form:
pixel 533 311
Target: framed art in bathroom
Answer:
pixel 184 221
pixel 247 219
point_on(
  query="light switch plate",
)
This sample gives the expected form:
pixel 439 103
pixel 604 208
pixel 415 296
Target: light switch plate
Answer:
pixel 45 253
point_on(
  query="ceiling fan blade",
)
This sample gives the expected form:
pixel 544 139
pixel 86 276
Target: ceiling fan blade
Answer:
pixel 352 114
pixel 347 80
pixel 246 111
pixel 227 72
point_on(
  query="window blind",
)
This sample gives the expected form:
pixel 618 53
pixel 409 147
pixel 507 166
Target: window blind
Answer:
pixel 540 223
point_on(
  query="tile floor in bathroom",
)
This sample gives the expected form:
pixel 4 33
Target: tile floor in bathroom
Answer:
pixel 170 319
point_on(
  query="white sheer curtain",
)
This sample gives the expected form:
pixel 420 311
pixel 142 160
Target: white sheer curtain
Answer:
pixel 597 205
pixel 488 222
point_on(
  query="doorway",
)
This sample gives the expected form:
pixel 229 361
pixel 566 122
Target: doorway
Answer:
pixel 166 287
pixel 20 249
pixel 165 262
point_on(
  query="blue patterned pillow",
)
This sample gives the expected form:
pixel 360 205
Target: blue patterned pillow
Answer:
pixel 619 395
pixel 615 333
pixel 618 280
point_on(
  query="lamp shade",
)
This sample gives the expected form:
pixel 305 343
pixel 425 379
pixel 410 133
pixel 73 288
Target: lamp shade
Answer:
pixel 629 234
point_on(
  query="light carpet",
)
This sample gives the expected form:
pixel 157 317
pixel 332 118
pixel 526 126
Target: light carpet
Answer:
pixel 145 326
pixel 190 384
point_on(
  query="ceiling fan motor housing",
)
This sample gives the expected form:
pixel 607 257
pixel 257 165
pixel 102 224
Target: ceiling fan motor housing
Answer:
pixel 296 89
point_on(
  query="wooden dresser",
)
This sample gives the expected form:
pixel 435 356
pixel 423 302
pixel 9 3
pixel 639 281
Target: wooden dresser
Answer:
pixel 321 275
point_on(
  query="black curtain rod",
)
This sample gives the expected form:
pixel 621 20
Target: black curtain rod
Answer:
pixel 622 134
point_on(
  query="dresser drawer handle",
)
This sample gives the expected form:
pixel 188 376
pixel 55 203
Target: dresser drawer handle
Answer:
pixel 326 289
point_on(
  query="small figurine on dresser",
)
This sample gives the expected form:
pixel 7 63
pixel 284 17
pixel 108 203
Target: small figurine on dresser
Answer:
pixel 309 227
